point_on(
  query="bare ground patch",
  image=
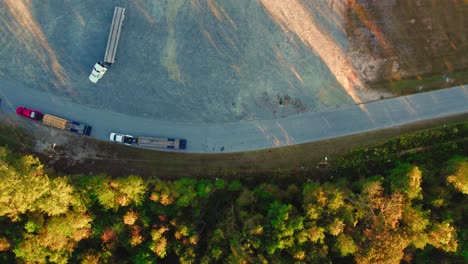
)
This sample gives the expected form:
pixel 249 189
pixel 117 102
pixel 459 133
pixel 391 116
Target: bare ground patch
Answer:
pixel 409 46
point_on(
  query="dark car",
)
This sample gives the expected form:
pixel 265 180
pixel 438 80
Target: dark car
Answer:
pixel 29 113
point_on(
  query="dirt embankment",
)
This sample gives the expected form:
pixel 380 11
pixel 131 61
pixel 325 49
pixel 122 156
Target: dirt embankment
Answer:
pixel 377 49
pixel 307 21
pixel 392 42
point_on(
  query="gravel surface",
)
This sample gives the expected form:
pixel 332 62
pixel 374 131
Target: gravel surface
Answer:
pixel 178 60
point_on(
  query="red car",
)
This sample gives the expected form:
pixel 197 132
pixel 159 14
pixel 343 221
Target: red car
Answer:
pixel 32 114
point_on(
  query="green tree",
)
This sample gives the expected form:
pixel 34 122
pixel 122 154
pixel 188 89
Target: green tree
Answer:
pixel 407 179
pixel 345 245
pixel 29 251
pixel 204 188
pixel 246 198
pixel 284 224
pixel 185 190
pixel 216 244
pixel 105 194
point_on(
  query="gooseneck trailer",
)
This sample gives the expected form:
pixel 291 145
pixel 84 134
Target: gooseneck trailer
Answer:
pixel 112 43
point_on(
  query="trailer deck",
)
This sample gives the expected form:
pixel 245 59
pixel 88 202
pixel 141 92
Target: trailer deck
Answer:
pixel 169 143
pixel 65 124
pixel 78 128
pixel 114 34
pixel 54 121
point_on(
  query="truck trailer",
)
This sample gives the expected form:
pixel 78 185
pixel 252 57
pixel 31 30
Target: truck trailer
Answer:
pixel 65 124
pixel 149 142
pixel 169 143
pixel 111 49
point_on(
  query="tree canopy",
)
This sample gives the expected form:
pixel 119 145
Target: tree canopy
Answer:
pixel 407 211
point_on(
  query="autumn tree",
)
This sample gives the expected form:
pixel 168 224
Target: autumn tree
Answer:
pixel 327 214
pixel 159 244
pixel 55 239
pixel 382 241
pixel 97 219
pixel 346 245
pixel 58 199
pixel 393 222
pixel 458 174
pixel 163 192
pixel 5 245
pixel 443 236
pixel 112 194
pixel 26 188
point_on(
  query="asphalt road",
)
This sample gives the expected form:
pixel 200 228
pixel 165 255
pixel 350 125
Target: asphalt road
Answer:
pixel 248 135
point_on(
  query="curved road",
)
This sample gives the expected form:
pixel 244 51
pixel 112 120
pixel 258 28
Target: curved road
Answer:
pixel 249 135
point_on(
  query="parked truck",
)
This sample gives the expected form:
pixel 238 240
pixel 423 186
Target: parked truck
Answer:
pixel 65 124
pixel 111 49
pixel 149 142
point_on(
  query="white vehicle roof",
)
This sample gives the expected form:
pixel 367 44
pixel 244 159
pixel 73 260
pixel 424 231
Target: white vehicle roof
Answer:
pixel 99 67
pixel 93 79
pixel 97 73
pixel 115 137
pixel 121 138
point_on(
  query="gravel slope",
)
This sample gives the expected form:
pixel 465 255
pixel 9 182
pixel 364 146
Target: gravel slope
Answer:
pixel 178 60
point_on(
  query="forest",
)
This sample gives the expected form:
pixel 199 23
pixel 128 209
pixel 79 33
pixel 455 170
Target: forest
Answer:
pixel 398 202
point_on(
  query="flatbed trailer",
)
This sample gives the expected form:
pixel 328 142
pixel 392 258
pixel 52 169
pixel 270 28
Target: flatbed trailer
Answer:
pixel 114 34
pixel 65 124
pixel 169 143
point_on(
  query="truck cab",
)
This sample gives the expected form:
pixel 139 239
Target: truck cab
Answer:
pixel 123 139
pixel 98 71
